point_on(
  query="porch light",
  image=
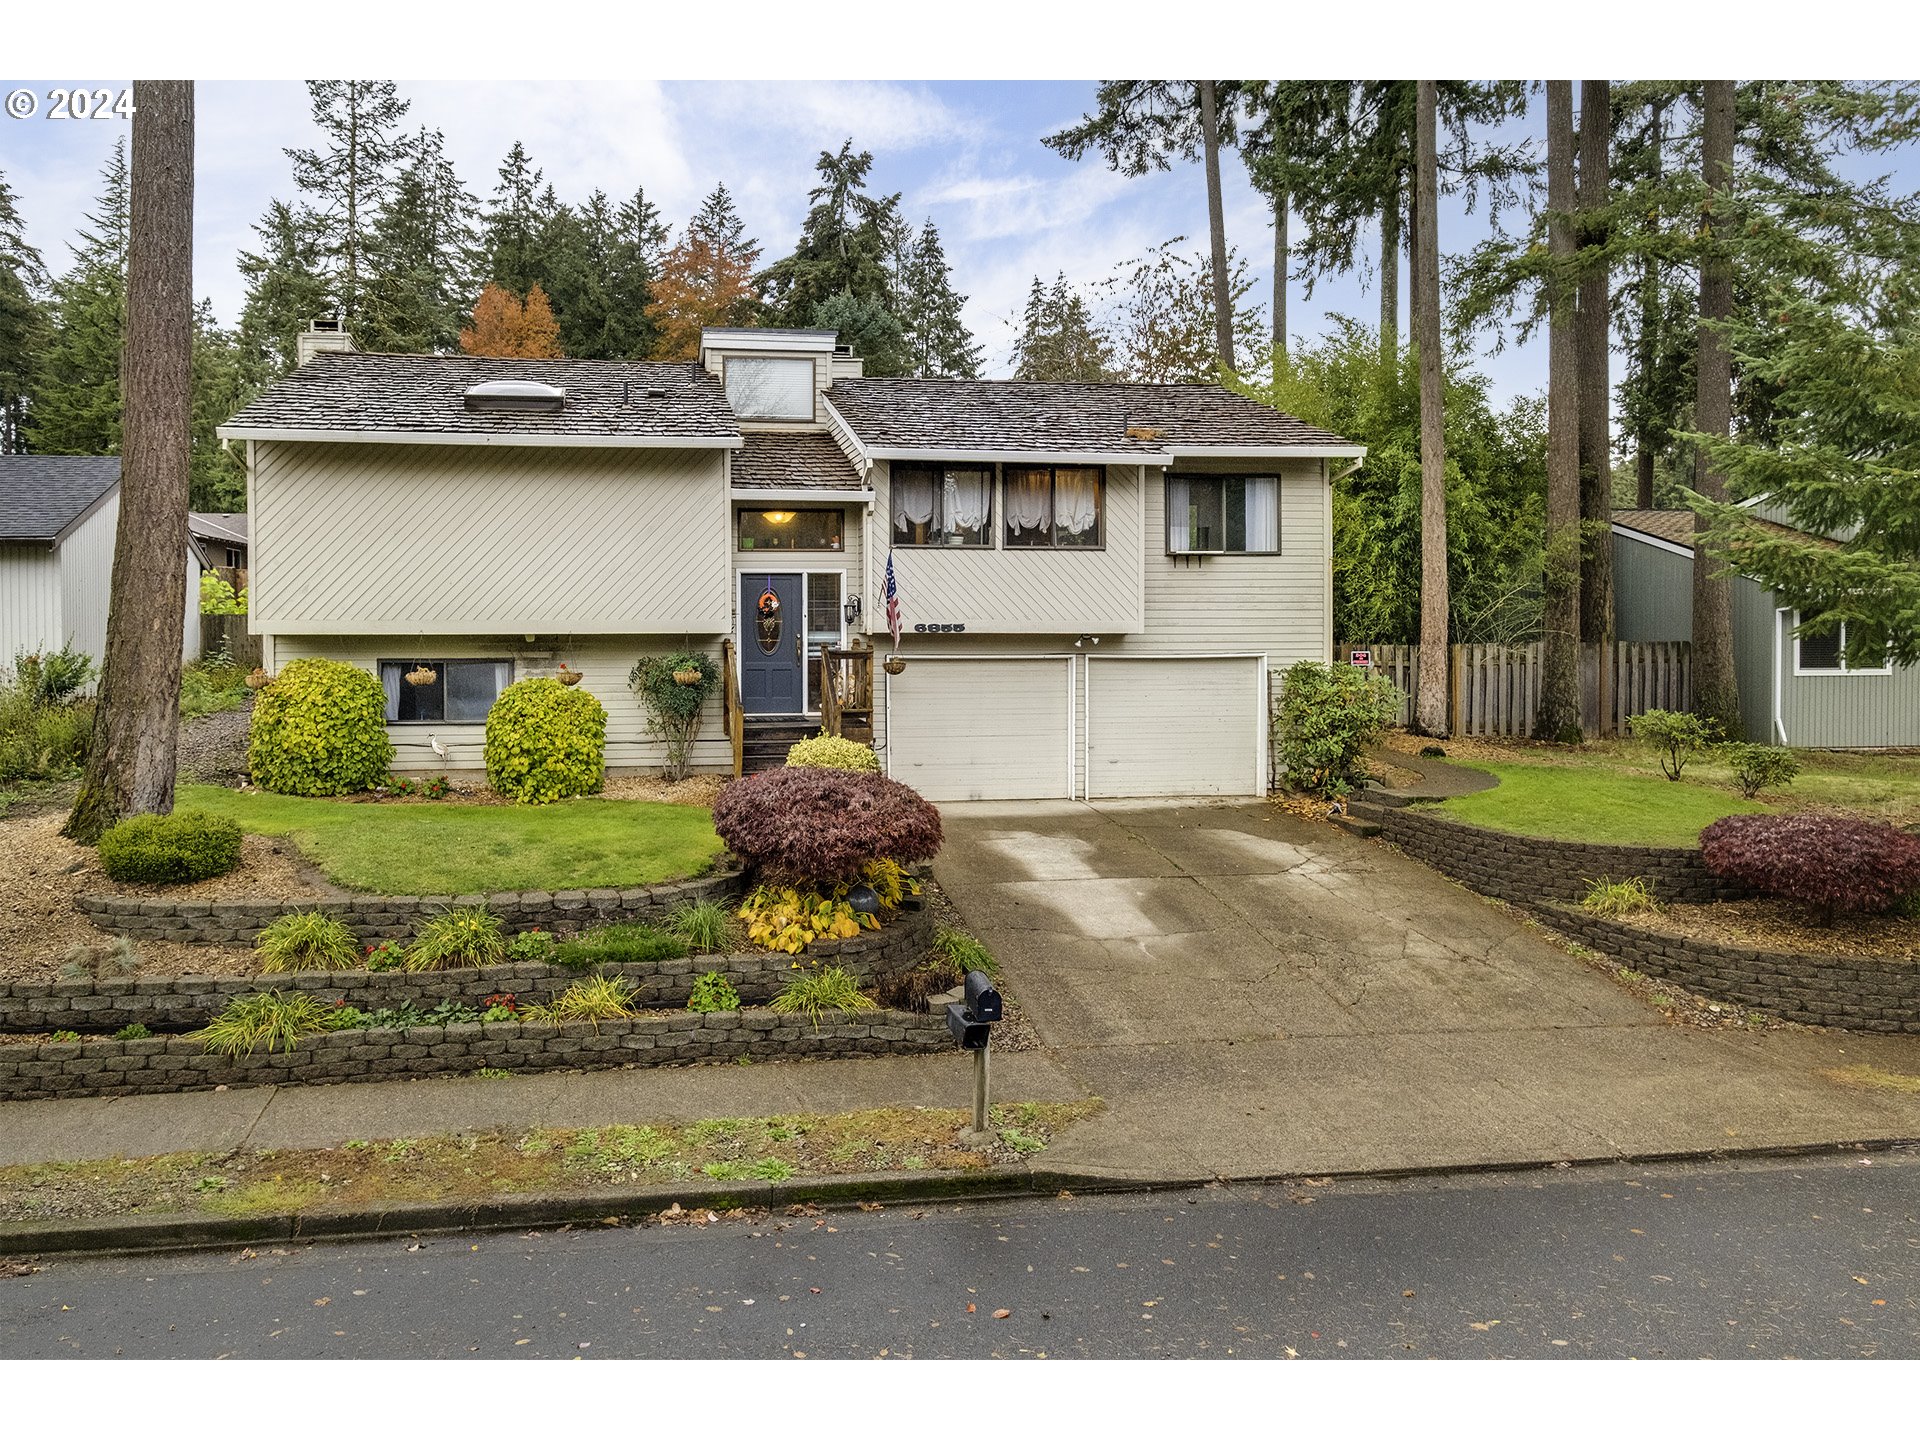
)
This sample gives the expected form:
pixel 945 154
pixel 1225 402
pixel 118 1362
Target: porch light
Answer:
pixel 851 609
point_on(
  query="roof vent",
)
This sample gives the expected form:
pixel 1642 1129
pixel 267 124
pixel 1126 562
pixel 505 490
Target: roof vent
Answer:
pixel 656 393
pixel 516 396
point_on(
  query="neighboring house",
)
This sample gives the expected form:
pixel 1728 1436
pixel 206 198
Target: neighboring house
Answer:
pixel 58 514
pixel 1095 581
pixel 219 541
pixel 1794 690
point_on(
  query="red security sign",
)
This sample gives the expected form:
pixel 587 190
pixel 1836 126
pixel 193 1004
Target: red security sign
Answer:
pixel 1360 657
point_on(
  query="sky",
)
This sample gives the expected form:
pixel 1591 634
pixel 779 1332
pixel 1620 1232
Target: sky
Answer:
pixel 968 154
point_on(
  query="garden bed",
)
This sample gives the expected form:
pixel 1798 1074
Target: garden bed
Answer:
pixel 1784 926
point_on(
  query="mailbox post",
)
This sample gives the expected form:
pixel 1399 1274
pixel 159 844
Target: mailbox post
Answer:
pixel 971 1022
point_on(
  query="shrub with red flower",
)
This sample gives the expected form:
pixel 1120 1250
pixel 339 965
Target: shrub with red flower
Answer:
pixel 1833 863
pixel 809 826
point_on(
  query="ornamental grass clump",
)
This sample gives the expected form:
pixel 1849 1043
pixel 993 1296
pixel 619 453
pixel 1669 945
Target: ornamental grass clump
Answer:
pixel 1615 898
pixel 546 741
pixel 1833 864
pixel 813 993
pixel 596 998
pixel 467 935
pixel 703 925
pixel 174 849
pixel 319 729
pixel 307 940
pixel 1327 715
pixel 810 827
pixel 266 1019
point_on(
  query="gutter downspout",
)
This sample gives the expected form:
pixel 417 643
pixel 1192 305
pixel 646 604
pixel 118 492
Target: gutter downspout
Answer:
pixel 1779 723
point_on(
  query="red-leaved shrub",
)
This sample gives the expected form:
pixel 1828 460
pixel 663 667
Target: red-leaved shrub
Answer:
pixel 1830 862
pixel 807 826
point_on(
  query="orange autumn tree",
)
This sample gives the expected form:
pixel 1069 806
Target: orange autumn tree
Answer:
pixel 503 324
pixel 705 279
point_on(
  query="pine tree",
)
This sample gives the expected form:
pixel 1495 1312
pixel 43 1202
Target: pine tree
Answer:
pixel 421 254
pixel 938 343
pixel 513 224
pixel 844 243
pixel 285 291
pixel 1430 716
pixel 23 321
pixel 217 478
pixel 705 279
pixel 1558 717
pixel 1059 339
pixel 76 397
pixel 637 241
pixel 348 179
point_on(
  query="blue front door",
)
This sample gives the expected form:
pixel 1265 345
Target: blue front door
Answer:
pixel 773 644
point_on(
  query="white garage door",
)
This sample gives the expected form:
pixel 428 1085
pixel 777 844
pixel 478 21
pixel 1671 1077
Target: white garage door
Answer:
pixel 1175 726
pixel 982 729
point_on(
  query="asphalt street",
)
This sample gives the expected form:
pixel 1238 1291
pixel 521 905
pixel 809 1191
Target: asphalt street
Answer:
pixel 1768 1259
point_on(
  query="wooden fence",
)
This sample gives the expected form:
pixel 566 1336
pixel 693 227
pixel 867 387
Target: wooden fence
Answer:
pixel 1494 690
pixel 229 633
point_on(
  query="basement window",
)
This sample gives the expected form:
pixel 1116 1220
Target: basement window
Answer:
pixel 459 692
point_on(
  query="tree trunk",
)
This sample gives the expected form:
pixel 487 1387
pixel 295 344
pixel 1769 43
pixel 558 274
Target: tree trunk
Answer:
pixel 1390 278
pixel 1650 312
pixel 136 725
pixel 1216 226
pixel 1716 694
pixel 1559 716
pixel 1281 263
pixel 1431 716
pixel 1596 392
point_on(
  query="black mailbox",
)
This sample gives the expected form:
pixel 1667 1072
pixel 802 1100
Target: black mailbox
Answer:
pixel 968 1031
pixel 982 999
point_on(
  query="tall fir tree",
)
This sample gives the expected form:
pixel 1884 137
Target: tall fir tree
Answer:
pixel 706 278
pixel 938 343
pixel 217 478
pixel 843 251
pixel 75 408
pixel 513 225
pixel 285 290
pixel 23 321
pixel 422 254
pixel 1059 338
pixel 347 180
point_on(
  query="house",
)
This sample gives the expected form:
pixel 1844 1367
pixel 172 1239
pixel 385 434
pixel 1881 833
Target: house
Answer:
pixel 1094 582
pixel 1794 689
pixel 219 541
pixel 58 515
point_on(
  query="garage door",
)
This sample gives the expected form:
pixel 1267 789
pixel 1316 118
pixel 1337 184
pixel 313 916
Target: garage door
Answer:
pixel 982 729
pixel 1187 726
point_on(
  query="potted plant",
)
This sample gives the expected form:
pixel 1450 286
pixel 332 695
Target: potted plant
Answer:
pixel 566 676
pixel 893 664
pixel 422 674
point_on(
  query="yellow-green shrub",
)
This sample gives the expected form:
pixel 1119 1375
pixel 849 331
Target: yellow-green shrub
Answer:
pixel 171 849
pixel 319 729
pixel 546 741
pixel 833 752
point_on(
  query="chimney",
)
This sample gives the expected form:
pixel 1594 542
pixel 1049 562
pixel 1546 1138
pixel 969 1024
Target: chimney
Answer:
pixel 330 334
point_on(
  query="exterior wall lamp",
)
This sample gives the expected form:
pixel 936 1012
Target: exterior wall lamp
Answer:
pixel 851 609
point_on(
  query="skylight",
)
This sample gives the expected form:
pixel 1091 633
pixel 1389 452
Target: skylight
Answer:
pixel 522 396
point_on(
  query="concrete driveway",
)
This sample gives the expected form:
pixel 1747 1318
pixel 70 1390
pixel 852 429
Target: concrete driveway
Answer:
pixel 1254 995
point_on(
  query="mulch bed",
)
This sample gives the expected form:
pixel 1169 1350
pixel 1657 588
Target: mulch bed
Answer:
pixel 1784 927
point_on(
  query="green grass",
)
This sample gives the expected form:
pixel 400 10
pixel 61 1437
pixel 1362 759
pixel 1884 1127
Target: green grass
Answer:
pixel 1578 802
pixel 435 849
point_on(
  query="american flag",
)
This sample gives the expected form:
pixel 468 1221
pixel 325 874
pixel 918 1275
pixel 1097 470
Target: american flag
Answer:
pixel 892 594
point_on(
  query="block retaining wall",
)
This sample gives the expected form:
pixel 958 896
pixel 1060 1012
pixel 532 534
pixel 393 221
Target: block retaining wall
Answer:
pixel 169 1065
pixel 1851 993
pixel 188 1001
pixel 1524 869
pixel 393 917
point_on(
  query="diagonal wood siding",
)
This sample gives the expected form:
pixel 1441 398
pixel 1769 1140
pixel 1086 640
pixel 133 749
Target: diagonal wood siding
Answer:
pixel 413 539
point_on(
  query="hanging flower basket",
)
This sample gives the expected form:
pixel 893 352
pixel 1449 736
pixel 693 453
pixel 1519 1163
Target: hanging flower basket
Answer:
pixel 690 676
pixel 258 679
pixel 422 675
pixel 566 676
pixel 893 665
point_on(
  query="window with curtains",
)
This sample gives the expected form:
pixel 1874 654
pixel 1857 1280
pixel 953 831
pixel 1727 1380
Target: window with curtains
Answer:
pixel 1060 507
pixel 1223 515
pixel 942 504
pixel 461 690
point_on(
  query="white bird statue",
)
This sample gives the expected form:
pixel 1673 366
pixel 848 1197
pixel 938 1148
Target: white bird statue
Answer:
pixel 438 748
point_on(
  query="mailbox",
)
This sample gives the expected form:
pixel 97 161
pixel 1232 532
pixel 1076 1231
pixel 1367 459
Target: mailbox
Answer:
pixel 968 1032
pixel 982 999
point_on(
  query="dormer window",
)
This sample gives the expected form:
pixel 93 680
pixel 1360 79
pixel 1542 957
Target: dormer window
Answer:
pixel 518 397
pixel 767 388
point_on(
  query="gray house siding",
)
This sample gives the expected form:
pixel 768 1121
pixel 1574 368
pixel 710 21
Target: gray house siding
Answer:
pixel 1653 592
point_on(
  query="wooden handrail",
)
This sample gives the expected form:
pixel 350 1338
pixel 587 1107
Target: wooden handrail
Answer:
pixel 846 687
pixel 730 714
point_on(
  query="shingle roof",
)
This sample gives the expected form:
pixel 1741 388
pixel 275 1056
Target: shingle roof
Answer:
pixel 426 394
pixel 231 529
pixel 41 495
pixel 1013 415
pixel 1673 526
pixel 773 460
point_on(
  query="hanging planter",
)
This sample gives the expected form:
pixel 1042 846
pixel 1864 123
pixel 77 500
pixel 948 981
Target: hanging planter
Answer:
pixel 566 676
pixel 893 665
pixel 422 675
pixel 258 679
pixel 689 676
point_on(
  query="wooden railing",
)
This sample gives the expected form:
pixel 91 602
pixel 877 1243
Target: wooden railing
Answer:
pixel 846 692
pixel 730 714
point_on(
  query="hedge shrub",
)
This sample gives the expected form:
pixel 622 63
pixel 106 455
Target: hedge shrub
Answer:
pixel 1761 767
pixel 832 752
pixel 171 849
pixel 809 826
pixel 1327 714
pixel 1833 863
pixel 320 728
pixel 546 741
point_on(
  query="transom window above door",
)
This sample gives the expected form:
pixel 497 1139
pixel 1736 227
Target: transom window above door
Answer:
pixel 1223 515
pixel 791 530
pixel 769 388
pixel 942 504
pixel 1061 507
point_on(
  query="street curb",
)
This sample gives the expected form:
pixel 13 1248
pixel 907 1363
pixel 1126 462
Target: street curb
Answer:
pixel 126 1235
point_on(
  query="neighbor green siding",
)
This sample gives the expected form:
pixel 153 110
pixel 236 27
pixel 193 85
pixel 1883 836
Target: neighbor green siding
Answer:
pixel 1652 592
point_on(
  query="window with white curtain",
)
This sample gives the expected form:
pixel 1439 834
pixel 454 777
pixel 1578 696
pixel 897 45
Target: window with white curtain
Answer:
pixel 1223 515
pixel 942 504
pixel 448 690
pixel 1060 507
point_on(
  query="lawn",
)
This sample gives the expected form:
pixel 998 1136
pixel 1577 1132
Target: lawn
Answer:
pixel 417 848
pixel 1604 806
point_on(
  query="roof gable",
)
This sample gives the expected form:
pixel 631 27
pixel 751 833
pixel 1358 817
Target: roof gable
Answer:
pixel 41 495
